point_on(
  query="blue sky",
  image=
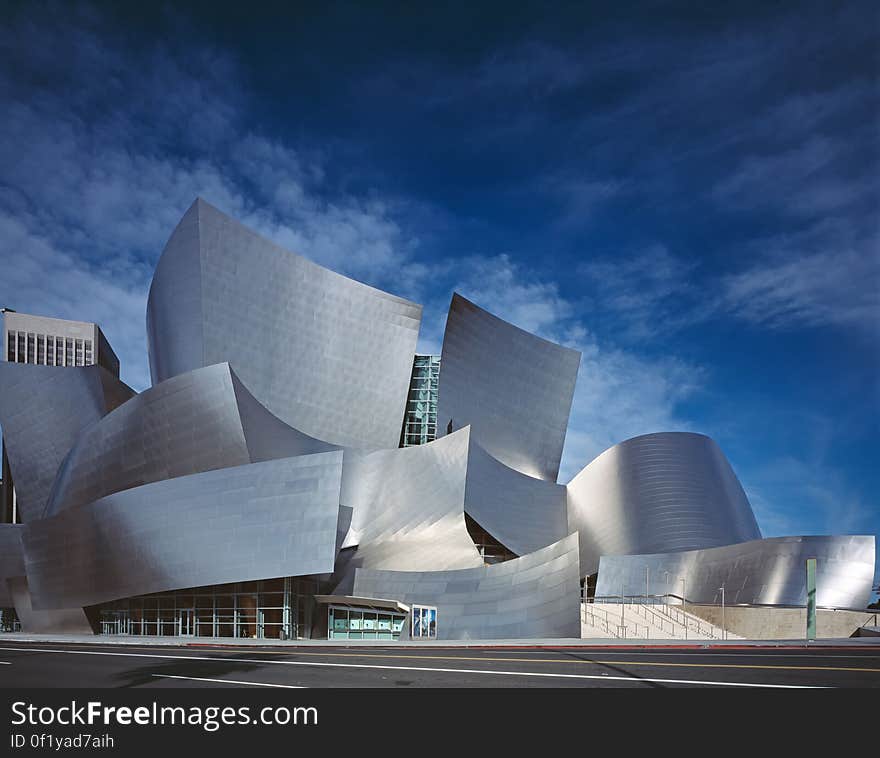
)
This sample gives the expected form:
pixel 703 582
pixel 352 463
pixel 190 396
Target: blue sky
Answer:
pixel 687 195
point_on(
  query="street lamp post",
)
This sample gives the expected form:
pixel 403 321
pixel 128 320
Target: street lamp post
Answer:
pixel 667 590
pixel 684 606
pixel 647 581
pixel 723 630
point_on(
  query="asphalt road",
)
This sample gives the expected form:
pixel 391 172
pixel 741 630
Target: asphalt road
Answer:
pixel 92 666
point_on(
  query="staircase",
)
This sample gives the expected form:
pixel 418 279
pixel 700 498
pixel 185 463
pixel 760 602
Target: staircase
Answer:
pixel 632 618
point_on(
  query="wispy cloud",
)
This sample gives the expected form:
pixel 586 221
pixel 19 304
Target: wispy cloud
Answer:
pixel 829 287
pixel 107 139
pixel 92 195
pixel 619 393
pixel 808 179
pixel 96 176
pixel 649 293
pixel 826 275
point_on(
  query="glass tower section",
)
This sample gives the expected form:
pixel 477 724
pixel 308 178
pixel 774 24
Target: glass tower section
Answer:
pixel 420 418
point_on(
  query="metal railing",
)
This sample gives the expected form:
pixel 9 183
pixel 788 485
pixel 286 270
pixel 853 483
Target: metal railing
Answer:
pixel 593 616
pixel 618 626
pixel 673 610
pixel 659 610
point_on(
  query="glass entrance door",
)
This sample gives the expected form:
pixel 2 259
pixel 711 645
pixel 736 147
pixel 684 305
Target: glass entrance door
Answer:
pixel 423 622
pixel 186 622
pixel 115 622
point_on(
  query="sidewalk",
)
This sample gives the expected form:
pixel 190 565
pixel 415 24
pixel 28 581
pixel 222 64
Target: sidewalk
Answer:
pixel 7 638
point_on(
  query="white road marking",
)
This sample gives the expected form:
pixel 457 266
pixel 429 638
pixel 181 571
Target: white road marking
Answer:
pixel 601 677
pixel 617 652
pixel 230 681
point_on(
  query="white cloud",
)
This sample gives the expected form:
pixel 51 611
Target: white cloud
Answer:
pixel 646 294
pixel 826 274
pixel 41 278
pixel 96 176
pixel 97 172
pixel 619 394
pixel 840 287
pixel 513 293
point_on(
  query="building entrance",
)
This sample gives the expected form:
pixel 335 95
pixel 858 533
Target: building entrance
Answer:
pixel 186 622
pixel 423 622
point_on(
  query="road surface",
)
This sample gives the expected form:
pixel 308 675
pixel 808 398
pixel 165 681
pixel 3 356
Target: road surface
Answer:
pixel 146 666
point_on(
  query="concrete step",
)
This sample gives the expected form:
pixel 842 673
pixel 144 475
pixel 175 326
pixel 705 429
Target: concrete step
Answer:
pixel 635 621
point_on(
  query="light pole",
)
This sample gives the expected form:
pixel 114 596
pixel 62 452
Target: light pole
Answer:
pixel 683 606
pixel 667 590
pixel 723 631
pixel 647 581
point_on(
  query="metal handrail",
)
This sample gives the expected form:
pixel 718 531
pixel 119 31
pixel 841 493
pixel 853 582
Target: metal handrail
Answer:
pixel 609 627
pixel 645 610
pixel 677 613
pixel 604 624
pixel 683 618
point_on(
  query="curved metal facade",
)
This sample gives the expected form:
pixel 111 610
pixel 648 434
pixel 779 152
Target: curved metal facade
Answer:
pixel 42 411
pixel 768 572
pixel 57 620
pixel 326 354
pixel 408 508
pixel 11 559
pixel 514 389
pixel 271 519
pixel 663 492
pixel 522 513
pixel 537 595
pixel 175 318
pixel 267 448
pixel 199 421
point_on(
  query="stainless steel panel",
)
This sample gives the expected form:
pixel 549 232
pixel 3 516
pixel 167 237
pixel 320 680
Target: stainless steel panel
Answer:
pixel 514 389
pixel 175 317
pixel 769 571
pixel 58 621
pixel 262 520
pixel 11 559
pixel 326 354
pixel 408 507
pixel 42 411
pixel 198 421
pixel 523 513
pixel 535 596
pixel 658 493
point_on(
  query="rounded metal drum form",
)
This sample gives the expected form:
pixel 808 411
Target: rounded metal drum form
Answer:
pixel 658 493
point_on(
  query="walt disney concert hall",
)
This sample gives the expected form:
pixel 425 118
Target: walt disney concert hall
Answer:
pixel 296 470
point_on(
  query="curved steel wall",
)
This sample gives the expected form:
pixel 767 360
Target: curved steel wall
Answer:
pixel 11 559
pixel 183 426
pixel 258 521
pixel 266 435
pixel 55 620
pixel 769 571
pixel 175 320
pixel 522 513
pixel 514 389
pixel 42 411
pixel 198 421
pixel 408 508
pixel 661 492
pixel 537 595
pixel 326 354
